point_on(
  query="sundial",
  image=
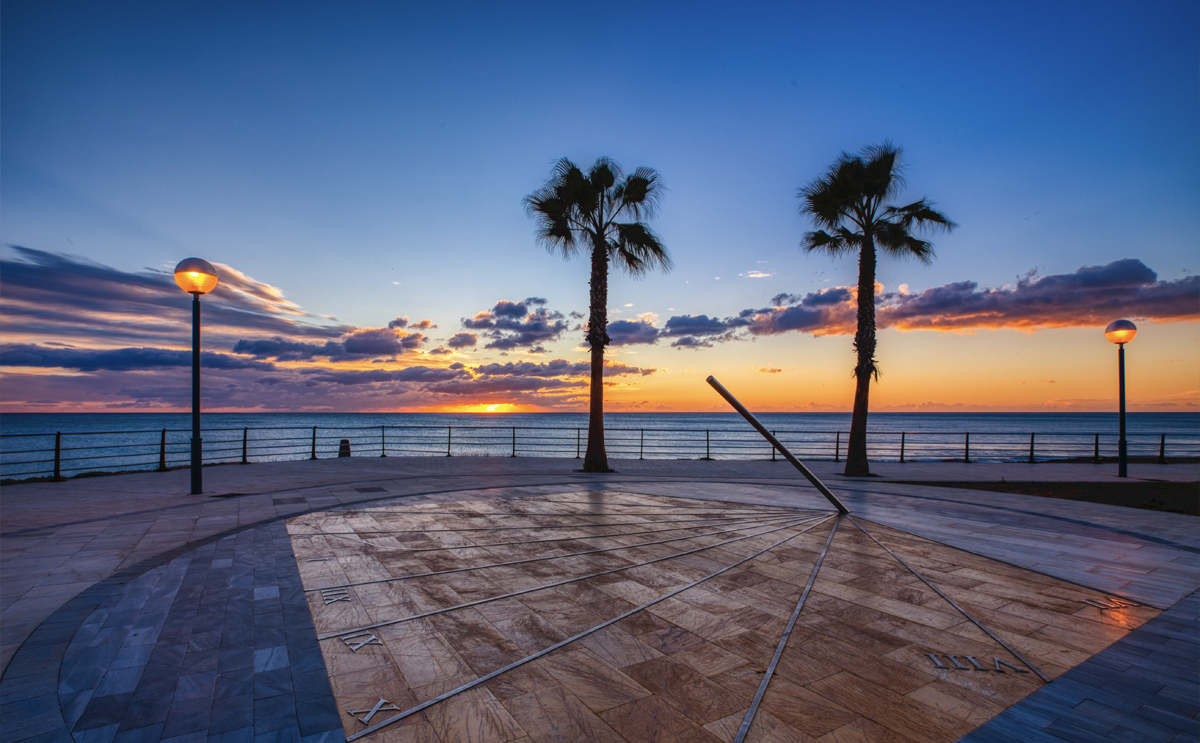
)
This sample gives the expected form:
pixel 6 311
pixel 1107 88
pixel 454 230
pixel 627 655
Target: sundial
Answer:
pixel 561 614
pixel 635 617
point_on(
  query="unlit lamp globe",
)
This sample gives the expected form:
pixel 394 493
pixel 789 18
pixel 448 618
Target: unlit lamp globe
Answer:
pixel 1118 331
pixel 197 276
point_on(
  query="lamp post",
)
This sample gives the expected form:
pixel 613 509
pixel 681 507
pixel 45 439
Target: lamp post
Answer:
pixel 1121 332
pixel 196 276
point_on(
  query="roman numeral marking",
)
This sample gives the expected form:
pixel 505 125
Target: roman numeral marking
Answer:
pixel 1111 603
pixel 359 640
pixel 379 707
pixel 974 663
pixel 335 594
pixel 1010 665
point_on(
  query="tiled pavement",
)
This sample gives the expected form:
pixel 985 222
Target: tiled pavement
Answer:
pixel 154 616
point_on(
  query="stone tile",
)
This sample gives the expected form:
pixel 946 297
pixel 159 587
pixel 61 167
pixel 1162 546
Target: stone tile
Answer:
pixel 270 659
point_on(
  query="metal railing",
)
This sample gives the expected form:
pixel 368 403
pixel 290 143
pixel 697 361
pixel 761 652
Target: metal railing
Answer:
pixel 80 453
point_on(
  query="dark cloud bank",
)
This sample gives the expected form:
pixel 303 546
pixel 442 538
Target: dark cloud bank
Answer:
pixel 1091 296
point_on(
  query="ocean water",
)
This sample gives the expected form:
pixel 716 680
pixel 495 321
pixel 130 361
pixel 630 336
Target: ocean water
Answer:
pixel 121 441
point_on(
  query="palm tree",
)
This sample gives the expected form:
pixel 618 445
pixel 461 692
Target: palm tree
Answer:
pixel 848 203
pixel 578 212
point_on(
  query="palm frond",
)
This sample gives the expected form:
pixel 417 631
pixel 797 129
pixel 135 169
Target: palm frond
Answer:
pixel 922 215
pixel 603 174
pixel 637 250
pixel 897 241
pixel 822 241
pixel 882 173
pixel 639 193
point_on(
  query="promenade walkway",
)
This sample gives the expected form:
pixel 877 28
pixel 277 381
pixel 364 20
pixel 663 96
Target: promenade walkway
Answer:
pixel 130 610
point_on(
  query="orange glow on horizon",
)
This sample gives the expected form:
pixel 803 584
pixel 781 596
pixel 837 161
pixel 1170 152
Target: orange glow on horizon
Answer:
pixel 482 407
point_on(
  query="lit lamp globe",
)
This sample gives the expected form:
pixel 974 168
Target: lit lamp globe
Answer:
pixel 197 276
pixel 1118 331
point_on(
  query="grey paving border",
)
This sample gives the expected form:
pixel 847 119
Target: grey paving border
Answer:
pixel 208 642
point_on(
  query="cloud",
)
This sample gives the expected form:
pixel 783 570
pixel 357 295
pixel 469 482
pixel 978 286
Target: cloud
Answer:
pixel 631 332
pixel 355 344
pixel 119 359
pixel 496 385
pixel 690 342
pixel 701 325
pixel 374 376
pixel 826 312
pixel 65 296
pixel 512 325
pixel 372 342
pixel 765 370
pixel 462 340
pixel 557 368
pixel 1091 296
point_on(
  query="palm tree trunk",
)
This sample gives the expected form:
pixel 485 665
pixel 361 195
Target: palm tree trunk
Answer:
pixel 596 458
pixel 864 343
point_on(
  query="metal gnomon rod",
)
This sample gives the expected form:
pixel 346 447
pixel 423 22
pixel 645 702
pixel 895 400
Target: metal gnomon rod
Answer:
pixel 729 398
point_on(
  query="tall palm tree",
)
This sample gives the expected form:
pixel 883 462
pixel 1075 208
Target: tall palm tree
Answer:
pixel 579 212
pixel 848 204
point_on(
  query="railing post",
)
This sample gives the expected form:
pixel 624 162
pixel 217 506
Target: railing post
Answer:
pixel 967 448
pixel 58 456
pixel 902 437
pixel 245 441
pixel 577 443
pixel 1096 455
pixel 162 451
pixel 383 441
pixel 641 443
pixel 707 446
pixel 314 444
pixel 773 448
pixel 514 441
pixel 1162 449
pixel 449 437
pixel 1031 448
pixel 837 447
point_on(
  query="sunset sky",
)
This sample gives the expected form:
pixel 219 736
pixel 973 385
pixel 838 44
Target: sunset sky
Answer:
pixel 356 173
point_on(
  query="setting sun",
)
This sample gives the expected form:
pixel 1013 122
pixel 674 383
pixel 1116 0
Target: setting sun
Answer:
pixel 498 407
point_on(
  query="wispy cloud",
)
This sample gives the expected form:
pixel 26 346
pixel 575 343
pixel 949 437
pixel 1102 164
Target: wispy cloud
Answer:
pixel 62 296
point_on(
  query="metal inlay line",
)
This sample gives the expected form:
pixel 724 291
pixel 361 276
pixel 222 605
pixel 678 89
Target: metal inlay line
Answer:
pixel 478 514
pixel 760 522
pixel 714 522
pixel 954 603
pixel 372 545
pixel 511 528
pixel 469 604
pixel 607 623
pixel 787 633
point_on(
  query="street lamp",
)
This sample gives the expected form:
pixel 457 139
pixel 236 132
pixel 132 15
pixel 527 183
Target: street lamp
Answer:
pixel 196 276
pixel 1121 332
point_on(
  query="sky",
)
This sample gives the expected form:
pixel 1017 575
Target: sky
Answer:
pixel 356 171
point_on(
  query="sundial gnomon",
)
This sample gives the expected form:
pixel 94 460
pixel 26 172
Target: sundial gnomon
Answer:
pixel 614 613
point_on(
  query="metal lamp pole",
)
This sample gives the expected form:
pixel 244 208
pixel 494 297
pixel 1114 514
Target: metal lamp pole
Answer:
pixel 197 442
pixel 1121 332
pixel 196 276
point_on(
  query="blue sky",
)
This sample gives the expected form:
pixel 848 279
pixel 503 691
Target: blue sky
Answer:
pixel 369 160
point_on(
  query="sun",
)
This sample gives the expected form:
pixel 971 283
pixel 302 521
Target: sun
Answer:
pixel 483 407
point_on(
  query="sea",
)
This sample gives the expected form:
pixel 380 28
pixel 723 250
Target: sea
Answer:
pixel 105 442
